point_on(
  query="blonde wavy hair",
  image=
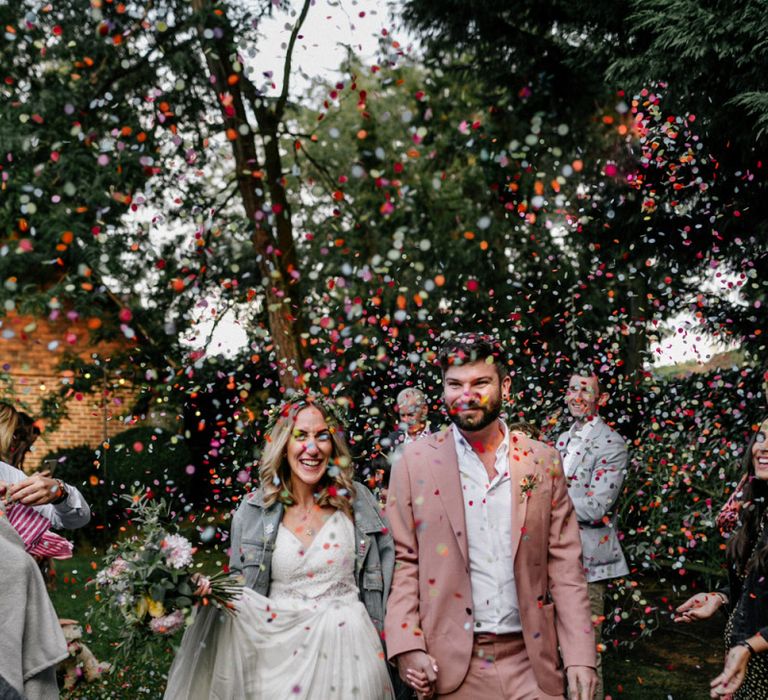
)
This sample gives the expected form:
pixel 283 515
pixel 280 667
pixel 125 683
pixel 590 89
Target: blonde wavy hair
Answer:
pixel 9 420
pixel 336 487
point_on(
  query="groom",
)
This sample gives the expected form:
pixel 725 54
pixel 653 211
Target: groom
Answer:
pixel 488 598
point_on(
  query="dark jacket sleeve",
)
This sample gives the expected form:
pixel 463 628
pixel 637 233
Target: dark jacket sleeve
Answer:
pixel 749 602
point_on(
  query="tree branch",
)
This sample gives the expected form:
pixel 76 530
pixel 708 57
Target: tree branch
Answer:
pixel 216 321
pixel 280 104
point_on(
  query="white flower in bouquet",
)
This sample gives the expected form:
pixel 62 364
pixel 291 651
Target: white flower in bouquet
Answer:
pixel 177 550
pixel 124 600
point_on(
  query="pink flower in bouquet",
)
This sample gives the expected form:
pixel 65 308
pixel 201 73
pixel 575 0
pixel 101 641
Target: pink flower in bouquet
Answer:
pixel 168 624
pixel 117 567
pixel 177 550
pixel 106 576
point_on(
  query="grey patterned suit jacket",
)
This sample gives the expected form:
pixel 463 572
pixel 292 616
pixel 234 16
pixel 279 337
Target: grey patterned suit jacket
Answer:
pixel 594 487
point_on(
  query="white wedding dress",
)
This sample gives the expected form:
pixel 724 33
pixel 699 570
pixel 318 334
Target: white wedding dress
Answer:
pixel 311 639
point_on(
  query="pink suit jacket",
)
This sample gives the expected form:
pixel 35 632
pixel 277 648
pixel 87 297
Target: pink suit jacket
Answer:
pixel 430 602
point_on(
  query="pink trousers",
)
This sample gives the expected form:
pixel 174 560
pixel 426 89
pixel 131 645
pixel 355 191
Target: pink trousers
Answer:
pixel 500 670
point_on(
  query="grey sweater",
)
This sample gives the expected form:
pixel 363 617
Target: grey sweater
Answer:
pixel 32 642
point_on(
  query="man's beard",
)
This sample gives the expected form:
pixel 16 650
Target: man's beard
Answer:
pixel 490 412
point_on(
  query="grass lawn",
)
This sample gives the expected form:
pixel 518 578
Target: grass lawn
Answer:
pixel 675 663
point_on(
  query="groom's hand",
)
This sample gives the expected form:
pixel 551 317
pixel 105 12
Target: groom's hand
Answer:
pixel 582 681
pixel 419 671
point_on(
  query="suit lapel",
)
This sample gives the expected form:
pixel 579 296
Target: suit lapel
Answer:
pixel 586 448
pixel 519 466
pixel 444 466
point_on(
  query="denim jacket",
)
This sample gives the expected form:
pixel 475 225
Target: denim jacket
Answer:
pixel 254 531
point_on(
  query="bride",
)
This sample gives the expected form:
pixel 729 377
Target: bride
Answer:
pixel 317 562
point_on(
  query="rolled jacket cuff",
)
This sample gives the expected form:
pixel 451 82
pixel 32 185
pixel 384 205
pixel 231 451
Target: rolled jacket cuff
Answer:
pixel 394 649
pixel 73 501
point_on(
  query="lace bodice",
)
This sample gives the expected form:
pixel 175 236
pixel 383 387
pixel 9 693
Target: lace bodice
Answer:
pixel 321 572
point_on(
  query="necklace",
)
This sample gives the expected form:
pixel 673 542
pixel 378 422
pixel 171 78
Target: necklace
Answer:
pixel 309 531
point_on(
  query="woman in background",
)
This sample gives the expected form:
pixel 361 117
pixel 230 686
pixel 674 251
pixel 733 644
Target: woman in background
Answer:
pixel 745 675
pixel 24 437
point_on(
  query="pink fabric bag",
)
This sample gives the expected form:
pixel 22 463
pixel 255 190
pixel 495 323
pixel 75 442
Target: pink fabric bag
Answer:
pixel 34 530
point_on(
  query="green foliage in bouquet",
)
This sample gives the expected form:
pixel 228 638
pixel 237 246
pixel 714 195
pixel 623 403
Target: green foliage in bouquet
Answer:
pixel 150 583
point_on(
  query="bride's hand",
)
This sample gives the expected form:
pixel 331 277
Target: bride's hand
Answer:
pixel 203 585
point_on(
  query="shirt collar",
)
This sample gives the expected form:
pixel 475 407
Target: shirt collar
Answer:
pixel 582 432
pixel 464 447
pixel 408 438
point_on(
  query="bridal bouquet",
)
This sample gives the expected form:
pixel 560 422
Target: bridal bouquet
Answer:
pixel 150 583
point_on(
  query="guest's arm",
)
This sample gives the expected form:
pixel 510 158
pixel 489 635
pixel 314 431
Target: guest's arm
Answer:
pixel 732 676
pixel 386 546
pixel 701 606
pixel 61 503
pixel 745 642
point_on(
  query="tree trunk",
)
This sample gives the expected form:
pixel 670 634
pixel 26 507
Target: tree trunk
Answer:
pixel 275 251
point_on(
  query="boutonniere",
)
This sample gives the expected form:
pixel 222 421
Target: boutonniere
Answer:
pixel 528 485
pixel 269 528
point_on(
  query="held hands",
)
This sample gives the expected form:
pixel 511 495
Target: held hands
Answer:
pixel 204 587
pixel 419 671
pixel 36 490
pixel 699 607
pixel 582 681
pixel 732 676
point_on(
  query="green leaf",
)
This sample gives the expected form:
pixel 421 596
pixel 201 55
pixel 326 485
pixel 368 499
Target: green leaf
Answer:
pixel 157 592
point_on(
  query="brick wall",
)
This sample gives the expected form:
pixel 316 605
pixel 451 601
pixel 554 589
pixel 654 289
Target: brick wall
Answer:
pixel 31 350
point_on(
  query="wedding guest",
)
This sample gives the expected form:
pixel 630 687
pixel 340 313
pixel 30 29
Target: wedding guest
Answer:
pixel 317 559
pixel 61 503
pixel 745 674
pixel 595 464
pixel 412 408
pixel 24 437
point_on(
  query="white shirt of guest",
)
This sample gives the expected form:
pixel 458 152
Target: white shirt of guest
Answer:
pixel 488 516
pixel 412 438
pixel 73 512
pixel 578 435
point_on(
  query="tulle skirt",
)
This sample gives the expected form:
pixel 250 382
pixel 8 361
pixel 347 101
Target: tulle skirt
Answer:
pixel 281 650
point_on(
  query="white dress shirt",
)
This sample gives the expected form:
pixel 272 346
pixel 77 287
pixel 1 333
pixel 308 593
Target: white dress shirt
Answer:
pixel 488 515
pixel 578 435
pixel 412 438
